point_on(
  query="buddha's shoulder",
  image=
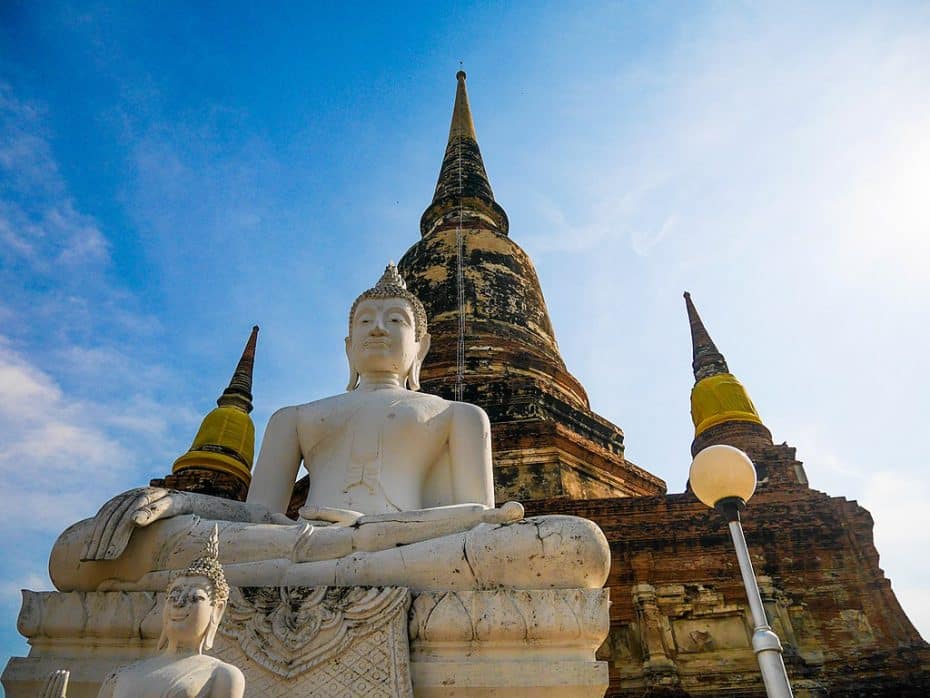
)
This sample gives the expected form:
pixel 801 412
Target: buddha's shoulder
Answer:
pixel 295 412
pixel 221 668
pixel 453 409
pixel 469 411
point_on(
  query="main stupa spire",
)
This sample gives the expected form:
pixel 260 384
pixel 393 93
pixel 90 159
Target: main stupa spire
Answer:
pixel 463 126
pixel 463 191
pixel 707 361
pixel 492 342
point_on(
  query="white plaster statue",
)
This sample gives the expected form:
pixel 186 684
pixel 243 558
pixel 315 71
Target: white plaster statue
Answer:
pixel 194 606
pixel 401 493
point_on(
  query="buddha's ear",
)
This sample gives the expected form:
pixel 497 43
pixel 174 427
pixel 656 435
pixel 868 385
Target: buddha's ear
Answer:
pixel 215 617
pixel 413 378
pixel 353 373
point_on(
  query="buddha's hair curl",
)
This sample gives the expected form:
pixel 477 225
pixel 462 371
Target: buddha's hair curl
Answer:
pixel 207 564
pixel 392 285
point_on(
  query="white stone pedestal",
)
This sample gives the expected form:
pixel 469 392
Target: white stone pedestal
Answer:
pixel 337 641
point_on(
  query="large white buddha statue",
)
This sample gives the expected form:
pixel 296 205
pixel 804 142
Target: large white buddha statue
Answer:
pixel 401 493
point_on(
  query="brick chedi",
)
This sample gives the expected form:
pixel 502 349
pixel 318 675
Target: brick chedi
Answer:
pixel 493 343
pixel 680 625
pixel 723 413
pixel 219 462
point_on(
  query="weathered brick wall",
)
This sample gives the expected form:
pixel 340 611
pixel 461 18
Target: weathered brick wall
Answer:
pixel 203 481
pixel 679 620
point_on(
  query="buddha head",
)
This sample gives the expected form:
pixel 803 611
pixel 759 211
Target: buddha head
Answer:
pixel 387 332
pixel 195 602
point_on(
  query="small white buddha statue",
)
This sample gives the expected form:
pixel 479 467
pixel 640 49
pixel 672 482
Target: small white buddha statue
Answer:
pixel 401 493
pixel 194 606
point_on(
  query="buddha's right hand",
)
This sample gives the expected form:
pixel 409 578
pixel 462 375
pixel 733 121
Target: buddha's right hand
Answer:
pixel 508 512
pixel 116 520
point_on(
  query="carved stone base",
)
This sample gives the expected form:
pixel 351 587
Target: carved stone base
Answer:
pixel 337 641
pixel 318 641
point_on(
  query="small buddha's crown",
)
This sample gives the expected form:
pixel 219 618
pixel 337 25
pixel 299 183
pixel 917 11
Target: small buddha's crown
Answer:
pixel 207 564
pixel 392 285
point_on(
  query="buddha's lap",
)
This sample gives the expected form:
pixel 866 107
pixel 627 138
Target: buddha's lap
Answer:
pixel 539 552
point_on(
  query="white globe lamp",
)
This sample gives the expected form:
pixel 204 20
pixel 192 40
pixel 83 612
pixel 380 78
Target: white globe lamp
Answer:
pixel 723 477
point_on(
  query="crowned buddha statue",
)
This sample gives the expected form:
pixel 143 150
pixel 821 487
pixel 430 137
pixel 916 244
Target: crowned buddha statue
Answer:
pixel 401 493
pixel 193 609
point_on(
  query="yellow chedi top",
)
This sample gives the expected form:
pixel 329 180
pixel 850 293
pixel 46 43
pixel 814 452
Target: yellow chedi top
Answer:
pixel 720 398
pixel 717 396
pixel 225 442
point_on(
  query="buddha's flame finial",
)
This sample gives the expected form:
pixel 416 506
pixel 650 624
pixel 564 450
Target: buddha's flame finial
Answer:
pixel 391 277
pixel 391 285
pixel 207 564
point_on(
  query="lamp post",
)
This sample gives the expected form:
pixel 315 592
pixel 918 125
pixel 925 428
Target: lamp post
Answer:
pixel 724 478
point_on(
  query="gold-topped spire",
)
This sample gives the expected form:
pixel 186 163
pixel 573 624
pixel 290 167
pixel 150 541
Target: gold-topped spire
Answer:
pixel 707 360
pixel 717 396
pixel 463 192
pixel 225 442
pixel 463 126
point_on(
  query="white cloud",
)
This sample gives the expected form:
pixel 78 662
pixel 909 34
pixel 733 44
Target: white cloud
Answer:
pixel 38 220
pixel 49 446
pixel 916 603
pixel 81 417
pixel 10 589
pixel 898 504
pixel 644 241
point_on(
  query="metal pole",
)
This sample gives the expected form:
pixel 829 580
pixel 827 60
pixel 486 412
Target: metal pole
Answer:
pixel 765 642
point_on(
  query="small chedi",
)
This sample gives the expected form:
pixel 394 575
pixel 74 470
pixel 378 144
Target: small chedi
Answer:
pixel 194 606
pixel 400 576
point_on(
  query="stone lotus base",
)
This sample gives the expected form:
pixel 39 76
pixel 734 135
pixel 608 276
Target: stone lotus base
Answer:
pixel 337 641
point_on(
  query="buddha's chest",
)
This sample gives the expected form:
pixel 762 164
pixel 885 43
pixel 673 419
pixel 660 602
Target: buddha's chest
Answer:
pixel 367 449
pixel 399 433
pixel 182 679
pixel 401 429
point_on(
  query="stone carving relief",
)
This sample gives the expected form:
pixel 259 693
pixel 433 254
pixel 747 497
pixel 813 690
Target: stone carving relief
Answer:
pixel 684 627
pixel 856 623
pixel 578 616
pixel 719 632
pixel 458 640
pixel 319 641
pixel 656 632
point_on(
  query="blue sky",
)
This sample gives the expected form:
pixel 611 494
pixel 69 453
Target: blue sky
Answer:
pixel 172 174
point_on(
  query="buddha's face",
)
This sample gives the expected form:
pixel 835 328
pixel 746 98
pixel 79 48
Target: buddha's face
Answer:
pixel 188 610
pixel 382 337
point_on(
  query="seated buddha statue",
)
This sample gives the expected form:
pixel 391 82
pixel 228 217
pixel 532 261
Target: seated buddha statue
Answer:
pixel 401 493
pixel 194 606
